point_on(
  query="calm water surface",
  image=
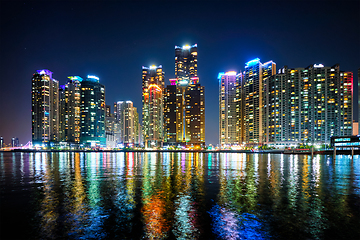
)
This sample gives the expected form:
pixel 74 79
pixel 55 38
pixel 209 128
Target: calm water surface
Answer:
pixel 178 196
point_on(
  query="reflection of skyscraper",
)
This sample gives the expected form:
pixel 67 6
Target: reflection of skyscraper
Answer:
pixel 227 108
pixel 185 96
pixel 92 111
pixel 45 107
pixel 152 91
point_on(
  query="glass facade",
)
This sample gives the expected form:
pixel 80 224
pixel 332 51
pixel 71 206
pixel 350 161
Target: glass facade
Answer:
pixel 45 108
pixel 92 113
pixel 153 106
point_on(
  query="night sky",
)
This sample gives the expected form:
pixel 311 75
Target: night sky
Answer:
pixel 113 40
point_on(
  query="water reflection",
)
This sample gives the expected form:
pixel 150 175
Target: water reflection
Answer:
pixel 179 196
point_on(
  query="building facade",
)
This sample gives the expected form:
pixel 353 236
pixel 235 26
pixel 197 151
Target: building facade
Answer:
pixel 310 105
pixel 92 112
pixel 185 102
pixel 228 134
pixel 153 106
pixel 45 108
pixel 254 88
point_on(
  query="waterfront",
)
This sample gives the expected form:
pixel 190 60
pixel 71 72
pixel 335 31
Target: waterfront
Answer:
pixel 178 196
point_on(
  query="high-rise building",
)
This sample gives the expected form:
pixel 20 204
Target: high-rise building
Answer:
pixel 15 142
pixel 111 128
pixel 308 105
pixel 128 119
pixel 153 106
pixel 228 134
pixel 170 107
pixel 255 100
pixel 92 112
pixel 45 108
pixel 186 61
pixel 359 99
pixel 62 113
pixel 185 101
pixel 1 142
pixel 72 109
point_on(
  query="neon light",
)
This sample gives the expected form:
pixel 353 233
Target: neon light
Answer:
pixel 183 82
pixel 318 65
pixel 231 73
pixel 93 77
pixel 252 62
pixel 154 86
pixel 75 78
pixel 220 75
pixel 173 81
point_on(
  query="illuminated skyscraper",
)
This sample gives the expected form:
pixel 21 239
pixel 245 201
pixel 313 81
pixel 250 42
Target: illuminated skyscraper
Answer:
pixel 255 100
pixel 45 108
pixel 227 109
pixel 170 114
pixel 92 112
pixel 186 61
pixel 153 106
pixel 308 105
pixel 1 142
pixel 72 108
pixel 128 119
pixel 359 99
pixel 15 142
pixel 185 101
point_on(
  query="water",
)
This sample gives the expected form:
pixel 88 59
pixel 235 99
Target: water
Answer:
pixel 178 196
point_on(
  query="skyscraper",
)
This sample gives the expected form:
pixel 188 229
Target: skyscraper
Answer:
pixel 45 108
pixel 1 142
pixel 185 101
pixel 227 109
pixel 127 117
pixel 15 142
pixel 153 106
pixel 186 61
pixel 92 112
pixel 255 100
pixel 72 109
pixel 308 105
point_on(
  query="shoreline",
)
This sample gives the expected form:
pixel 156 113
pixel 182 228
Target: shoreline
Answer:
pixel 322 152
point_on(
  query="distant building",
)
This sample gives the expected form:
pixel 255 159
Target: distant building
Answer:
pixel 359 99
pixel 128 120
pixel 15 142
pixel 153 107
pixel 45 108
pixel 227 109
pixel 111 129
pixel 2 142
pixel 92 112
pixel 185 102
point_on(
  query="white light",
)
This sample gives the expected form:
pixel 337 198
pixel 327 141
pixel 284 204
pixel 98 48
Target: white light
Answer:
pixel 318 65
pixel 186 47
pixel 93 77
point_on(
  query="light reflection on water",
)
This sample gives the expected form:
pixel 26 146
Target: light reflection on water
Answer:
pixel 179 196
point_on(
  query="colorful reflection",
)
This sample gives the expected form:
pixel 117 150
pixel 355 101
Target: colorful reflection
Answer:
pixel 176 195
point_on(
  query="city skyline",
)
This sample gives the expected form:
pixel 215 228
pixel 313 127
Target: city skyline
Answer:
pixel 75 50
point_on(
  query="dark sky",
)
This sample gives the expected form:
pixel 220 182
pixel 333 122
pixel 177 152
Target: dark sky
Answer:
pixel 113 40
